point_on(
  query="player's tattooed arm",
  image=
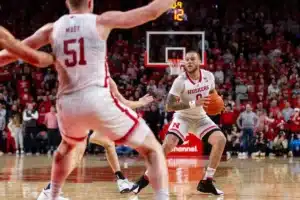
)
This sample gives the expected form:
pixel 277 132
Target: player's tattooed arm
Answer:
pixel 173 104
pixel 212 91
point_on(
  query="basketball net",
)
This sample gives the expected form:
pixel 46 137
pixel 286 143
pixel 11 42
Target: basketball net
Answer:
pixel 176 66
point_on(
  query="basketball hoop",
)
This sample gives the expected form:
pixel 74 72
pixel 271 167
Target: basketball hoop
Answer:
pixel 176 66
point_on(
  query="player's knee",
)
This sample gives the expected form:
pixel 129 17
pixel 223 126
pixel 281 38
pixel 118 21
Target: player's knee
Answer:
pixel 58 157
pixel 217 138
pixel 108 145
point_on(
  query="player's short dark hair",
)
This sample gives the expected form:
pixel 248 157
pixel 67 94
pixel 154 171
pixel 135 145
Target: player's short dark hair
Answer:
pixel 77 3
pixel 196 52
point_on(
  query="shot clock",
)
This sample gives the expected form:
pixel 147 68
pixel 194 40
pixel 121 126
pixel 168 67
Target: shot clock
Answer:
pixel 178 13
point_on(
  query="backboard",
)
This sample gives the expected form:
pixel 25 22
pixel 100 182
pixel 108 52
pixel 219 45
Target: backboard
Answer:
pixel 161 46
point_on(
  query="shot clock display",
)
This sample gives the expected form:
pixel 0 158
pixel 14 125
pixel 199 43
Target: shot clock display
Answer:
pixel 178 11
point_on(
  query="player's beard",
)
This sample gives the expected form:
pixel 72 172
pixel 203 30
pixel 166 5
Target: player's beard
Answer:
pixel 191 72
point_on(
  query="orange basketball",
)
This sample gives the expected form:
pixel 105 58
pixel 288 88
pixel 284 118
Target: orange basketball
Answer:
pixel 216 104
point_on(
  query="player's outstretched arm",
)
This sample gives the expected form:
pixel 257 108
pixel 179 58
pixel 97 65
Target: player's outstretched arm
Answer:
pixel 135 17
pixel 145 100
pixel 36 58
pixel 37 40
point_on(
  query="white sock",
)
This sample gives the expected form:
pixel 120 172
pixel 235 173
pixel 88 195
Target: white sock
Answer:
pixel 162 194
pixel 209 174
pixel 55 190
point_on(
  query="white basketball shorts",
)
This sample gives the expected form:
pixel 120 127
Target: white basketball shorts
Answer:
pixel 95 108
pixel 181 126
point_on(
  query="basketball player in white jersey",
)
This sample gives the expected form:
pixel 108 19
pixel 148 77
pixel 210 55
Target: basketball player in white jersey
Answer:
pixel 123 184
pixel 79 44
pixel 192 88
pixel 37 58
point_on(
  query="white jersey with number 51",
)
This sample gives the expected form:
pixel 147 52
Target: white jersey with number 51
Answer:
pixel 80 53
pixel 189 90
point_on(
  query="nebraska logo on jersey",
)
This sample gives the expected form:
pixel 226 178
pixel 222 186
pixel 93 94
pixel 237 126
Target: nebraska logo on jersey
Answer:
pixel 201 89
pixel 176 125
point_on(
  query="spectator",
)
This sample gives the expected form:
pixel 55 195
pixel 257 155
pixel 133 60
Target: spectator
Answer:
pixel 219 75
pixel 2 110
pixel 15 128
pixel 153 119
pixel 2 127
pixel 295 145
pixel 30 117
pixel 280 144
pixel 273 88
pixel 287 112
pixel 123 150
pixel 241 90
pixel 295 121
pixel 260 145
pixel 52 130
pixel 227 120
pixel 247 122
pixel 233 142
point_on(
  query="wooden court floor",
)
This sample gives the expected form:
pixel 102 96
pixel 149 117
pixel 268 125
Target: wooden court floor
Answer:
pixel 260 179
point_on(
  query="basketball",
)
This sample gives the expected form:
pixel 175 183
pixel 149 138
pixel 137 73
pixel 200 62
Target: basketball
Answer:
pixel 216 104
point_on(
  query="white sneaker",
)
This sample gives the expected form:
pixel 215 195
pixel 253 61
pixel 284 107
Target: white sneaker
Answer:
pixel 45 195
pixel 240 155
pixel 17 152
pixel 245 155
pixel 262 155
pixel 272 155
pixel 228 155
pixel 124 185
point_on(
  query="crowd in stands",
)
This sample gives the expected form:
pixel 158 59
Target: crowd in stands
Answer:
pixel 254 54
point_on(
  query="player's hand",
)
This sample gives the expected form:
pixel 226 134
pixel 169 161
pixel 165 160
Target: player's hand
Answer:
pixel 145 100
pixel 203 101
pixel 5 34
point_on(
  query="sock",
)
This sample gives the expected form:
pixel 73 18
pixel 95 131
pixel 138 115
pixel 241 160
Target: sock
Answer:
pixel 119 175
pixel 55 190
pixel 144 179
pixel 162 194
pixel 209 174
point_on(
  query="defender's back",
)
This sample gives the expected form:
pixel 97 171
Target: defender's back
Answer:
pixel 80 53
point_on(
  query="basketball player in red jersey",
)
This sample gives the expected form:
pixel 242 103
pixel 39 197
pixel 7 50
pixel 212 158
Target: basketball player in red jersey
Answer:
pixel 79 44
pixel 192 87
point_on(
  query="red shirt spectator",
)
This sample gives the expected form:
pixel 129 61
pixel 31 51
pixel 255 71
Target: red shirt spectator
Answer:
pixel 42 113
pixel 46 103
pixel 22 85
pixel 38 78
pixel 25 97
pixel 295 121
pixel 228 117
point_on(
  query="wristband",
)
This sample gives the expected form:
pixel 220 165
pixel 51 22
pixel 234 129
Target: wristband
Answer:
pixel 192 104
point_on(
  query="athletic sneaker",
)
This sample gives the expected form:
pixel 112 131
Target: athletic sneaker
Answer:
pixel 45 194
pixel 207 187
pixel 140 184
pixel 124 185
